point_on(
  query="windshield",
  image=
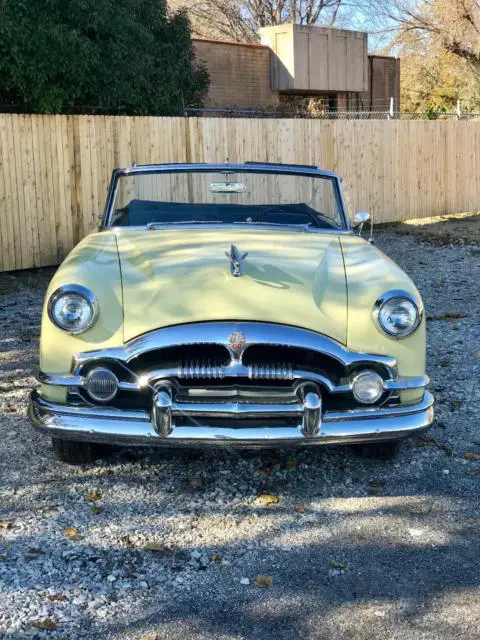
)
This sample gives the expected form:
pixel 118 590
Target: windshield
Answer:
pixel 229 197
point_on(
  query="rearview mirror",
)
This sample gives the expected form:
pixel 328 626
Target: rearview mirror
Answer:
pixel 227 187
pixel 360 219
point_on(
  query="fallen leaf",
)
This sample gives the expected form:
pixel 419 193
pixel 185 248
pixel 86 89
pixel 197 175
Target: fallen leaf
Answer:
pixel 10 410
pixel 3 558
pixel 216 557
pixel 193 482
pixel 358 537
pixel 72 534
pixel 425 441
pixel 333 564
pixel 6 525
pixel 300 508
pixel 92 496
pixel 56 597
pixel 292 463
pixel 47 623
pixel 96 509
pixel 267 498
pixel 263 581
pixel 376 482
pixel 157 547
pixel 265 471
pixel 474 457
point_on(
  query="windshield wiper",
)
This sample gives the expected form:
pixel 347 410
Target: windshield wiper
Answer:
pixel 155 225
pixel 277 224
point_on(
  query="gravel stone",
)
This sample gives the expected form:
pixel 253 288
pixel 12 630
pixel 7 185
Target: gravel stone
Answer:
pixel 410 541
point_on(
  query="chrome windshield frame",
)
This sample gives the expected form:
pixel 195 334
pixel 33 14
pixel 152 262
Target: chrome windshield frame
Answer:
pixel 266 168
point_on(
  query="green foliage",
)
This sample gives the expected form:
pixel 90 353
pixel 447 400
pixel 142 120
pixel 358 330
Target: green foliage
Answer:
pixel 432 81
pixel 116 56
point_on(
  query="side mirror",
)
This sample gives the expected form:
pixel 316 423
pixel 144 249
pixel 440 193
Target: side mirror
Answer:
pixel 359 220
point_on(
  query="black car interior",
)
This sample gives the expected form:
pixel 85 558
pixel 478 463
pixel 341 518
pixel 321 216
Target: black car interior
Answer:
pixel 144 212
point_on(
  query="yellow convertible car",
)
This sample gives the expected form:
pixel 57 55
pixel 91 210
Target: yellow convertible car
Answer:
pixel 229 305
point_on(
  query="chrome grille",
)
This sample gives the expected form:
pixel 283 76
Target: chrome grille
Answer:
pixel 201 369
pixel 206 369
pixel 271 371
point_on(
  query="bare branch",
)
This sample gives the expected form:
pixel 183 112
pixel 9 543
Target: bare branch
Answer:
pixel 241 19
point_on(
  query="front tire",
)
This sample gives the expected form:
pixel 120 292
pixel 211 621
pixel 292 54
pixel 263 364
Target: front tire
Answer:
pixel 74 452
pixel 378 450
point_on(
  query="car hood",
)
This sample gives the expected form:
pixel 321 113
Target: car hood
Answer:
pixel 181 275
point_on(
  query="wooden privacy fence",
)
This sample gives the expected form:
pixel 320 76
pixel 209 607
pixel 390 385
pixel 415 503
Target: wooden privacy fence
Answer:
pixel 54 170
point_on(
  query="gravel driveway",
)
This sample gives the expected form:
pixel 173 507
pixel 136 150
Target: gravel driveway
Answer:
pixel 152 544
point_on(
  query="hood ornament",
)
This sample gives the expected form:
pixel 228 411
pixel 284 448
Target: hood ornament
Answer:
pixel 235 259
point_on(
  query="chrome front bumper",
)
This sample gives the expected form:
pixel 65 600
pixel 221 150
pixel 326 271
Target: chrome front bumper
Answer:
pixel 139 427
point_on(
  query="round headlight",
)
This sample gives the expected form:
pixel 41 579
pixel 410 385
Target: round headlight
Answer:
pixel 397 314
pixel 101 384
pixel 73 308
pixel 367 387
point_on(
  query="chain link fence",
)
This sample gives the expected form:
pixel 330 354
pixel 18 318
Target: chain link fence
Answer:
pixel 362 114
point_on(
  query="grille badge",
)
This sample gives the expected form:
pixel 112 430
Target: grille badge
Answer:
pixel 237 341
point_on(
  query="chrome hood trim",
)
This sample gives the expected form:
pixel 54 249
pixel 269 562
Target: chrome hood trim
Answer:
pixel 220 333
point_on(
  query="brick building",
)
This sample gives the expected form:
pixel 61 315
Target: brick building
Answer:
pixel 294 62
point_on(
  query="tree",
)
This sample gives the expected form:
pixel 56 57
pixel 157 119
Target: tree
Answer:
pixel 439 45
pixel 241 19
pixel 435 82
pixel 449 25
pixel 119 56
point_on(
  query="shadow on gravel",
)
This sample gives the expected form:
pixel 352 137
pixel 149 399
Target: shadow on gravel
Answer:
pixel 390 573
pixel 441 230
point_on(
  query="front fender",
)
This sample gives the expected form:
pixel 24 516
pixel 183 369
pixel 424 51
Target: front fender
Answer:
pixel 369 274
pixel 94 264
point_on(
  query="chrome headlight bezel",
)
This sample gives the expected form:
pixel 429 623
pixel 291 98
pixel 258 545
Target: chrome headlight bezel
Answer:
pixel 363 374
pixel 82 292
pixel 386 298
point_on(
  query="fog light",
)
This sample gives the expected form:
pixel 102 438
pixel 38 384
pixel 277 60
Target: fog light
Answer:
pixel 367 387
pixel 101 385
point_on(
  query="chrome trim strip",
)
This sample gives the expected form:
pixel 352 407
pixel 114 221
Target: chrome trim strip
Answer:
pixel 235 226
pixel 148 378
pixel 89 412
pixel 220 332
pixel 202 167
pixel 112 413
pixel 410 382
pixel 232 410
pixel 62 422
pixel 57 380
